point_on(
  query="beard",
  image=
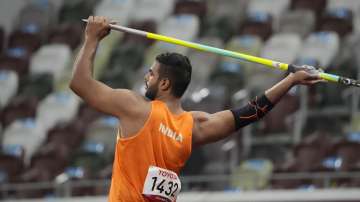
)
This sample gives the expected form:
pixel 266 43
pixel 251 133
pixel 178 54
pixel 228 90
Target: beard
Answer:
pixel 151 92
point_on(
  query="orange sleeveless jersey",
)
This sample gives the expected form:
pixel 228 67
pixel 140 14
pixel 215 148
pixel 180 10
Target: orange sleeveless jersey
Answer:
pixel 164 141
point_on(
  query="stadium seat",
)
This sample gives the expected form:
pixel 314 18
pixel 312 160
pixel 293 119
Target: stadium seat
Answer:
pixel 56 4
pixel 42 169
pixel 248 44
pixel 219 26
pixel 37 13
pixel 211 98
pixel 300 22
pixel 282 47
pixel 68 33
pixel 124 61
pixel 191 7
pixel 157 48
pixel 2 39
pixel 185 27
pixel 92 157
pixel 258 24
pixel 145 10
pixel 230 74
pixel 26 133
pixel 9 11
pixel 307 156
pixel 317 6
pixel 203 63
pixel 73 11
pixel 182 26
pixel 51 59
pixel 38 85
pixel 274 8
pixel 11 162
pixel 277 120
pixel 88 114
pixel 315 44
pixel 104 53
pixel 56 108
pixel 15 59
pixel 233 10
pixel 352 5
pixel 19 107
pixel 71 134
pixel 118 11
pixel 103 132
pixel 145 25
pixel 339 20
pixel 9 82
pixel 347 152
pixel 28 37
pixel 252 174
pixel 309 153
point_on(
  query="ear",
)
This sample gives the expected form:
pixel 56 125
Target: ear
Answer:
pixel 165 84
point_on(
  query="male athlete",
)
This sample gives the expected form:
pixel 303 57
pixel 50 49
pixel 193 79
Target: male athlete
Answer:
pixel 157 135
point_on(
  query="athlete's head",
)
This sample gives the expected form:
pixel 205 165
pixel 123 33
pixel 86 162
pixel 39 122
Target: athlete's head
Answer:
pixel 171 72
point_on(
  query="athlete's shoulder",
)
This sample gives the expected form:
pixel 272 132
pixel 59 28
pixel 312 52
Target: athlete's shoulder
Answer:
pixel 131 102
pixel 199 116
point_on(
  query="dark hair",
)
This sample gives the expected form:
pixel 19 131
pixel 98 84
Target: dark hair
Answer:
pixel 177 69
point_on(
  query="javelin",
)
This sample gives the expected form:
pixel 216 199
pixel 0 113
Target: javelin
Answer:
pixel 237 55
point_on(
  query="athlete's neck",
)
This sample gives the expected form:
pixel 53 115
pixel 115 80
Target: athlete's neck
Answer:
pixel 174 104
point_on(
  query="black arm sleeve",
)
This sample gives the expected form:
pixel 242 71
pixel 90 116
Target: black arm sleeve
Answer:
pixel 253 111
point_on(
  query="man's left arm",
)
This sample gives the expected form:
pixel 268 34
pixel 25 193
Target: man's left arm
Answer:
pixel 213 127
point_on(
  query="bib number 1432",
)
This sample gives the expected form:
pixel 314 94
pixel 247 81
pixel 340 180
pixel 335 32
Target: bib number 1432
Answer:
pixel 161 185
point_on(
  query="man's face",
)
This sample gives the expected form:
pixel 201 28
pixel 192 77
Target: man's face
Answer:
pixel 152 81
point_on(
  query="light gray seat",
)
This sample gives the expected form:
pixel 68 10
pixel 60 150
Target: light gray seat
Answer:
pixel 182 26
pixel 299 21
pixel 117 10
pixel 185 27
pixel 9 11
pixel 232 9
pixel 157 10
pixel 247 44
pixel 41 13
pixel 282 47
pixel 57 107
pixel 274 8
pixel 322 46
pixel 9 82
pixel 27 133
pixel 104 131
pixel 203 63
pixel 352 5
pixel 52 59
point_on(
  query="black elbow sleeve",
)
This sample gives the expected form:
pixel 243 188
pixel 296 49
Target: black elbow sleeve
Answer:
pixel 253 111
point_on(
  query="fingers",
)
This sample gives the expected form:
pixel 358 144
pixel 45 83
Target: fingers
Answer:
pixel 314 77
pixel 311 82
pixel 99 20
pixel 90 19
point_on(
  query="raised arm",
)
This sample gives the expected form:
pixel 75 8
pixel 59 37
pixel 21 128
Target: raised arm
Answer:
pixel 117 102
pixel 213 127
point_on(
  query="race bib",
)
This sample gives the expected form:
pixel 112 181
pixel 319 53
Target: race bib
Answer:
pixel 161 185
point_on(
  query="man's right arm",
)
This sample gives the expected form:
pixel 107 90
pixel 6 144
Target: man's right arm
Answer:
pixel 117 102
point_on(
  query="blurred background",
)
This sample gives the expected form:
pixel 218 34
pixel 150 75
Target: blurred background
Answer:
pixel 53 145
